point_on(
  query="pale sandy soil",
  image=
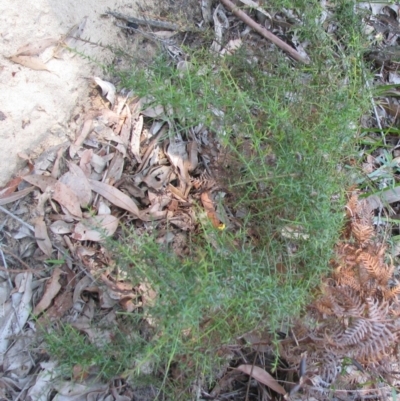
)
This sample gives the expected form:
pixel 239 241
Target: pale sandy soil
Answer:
pixel 36 106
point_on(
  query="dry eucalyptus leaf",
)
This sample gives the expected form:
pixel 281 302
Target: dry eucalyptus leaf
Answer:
pixel 15 196
pixel 77 181
pixel 153 112
pixel 115 196
pixel 16 311
pixel 137 127
pixel 208 205
pixel 67 198
pixel 262 377
pixel 42 388
pixel 33 63
pixel 40 181
pixel 84 162
pixel 86 129
pixel 60 227
pixel 98 163
pixel 164 34
pixel 42 237
pixel 158 177
pixel 35 48
pixel 52 289
pixel 95 228
pixel 255 5
pixel 231 46
pixel 103 208
pixel 107 89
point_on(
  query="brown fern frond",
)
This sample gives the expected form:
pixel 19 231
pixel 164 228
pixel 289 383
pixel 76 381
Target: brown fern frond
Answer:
pixel 391 294
pixel 352 206
pixel 373 264
pixel 385 275
pixel 347 256
pixel 350 300
pixel 362 232
pixel 348 279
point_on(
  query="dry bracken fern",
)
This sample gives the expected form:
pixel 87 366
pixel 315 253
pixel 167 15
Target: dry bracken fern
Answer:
pixel 356 317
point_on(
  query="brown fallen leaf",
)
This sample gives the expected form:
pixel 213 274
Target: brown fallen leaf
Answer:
pixel 60 227
pixel 115 196
pixel 262 377
pixel 84 162
pixel 42 237
pixel 137 128
pixel 35 48
pixel 10 187
pixel 40 181
pixel 86 129
pixel 95 228
pixel 15 196
pixel 210 209
pixel 55 171
pixel 76 180
pixel 154 111
pixel 52 289
pixel 107 89
pixel 34 63
pixel 67 198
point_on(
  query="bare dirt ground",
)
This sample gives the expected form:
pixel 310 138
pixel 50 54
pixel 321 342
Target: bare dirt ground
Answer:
pixel 37 105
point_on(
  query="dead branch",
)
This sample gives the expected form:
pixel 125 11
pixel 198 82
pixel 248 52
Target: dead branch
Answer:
pixel 264 32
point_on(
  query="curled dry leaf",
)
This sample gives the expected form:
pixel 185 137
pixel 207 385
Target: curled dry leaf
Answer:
pixel 107 89
pixel 262 377
pixel 33 63
pixel 231 47
pixel 43 385
pixel 60 227
pixel 42 237
pixel 137 128
pixel 86 129
pixel 164 34
pixel 95 228
pixel 115 196
pixel 154 111
pixel 52 289
pixel 210 209
pixel 158 177
pixel 16 312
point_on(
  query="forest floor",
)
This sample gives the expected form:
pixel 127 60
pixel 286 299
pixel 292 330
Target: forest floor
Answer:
pixel 222 222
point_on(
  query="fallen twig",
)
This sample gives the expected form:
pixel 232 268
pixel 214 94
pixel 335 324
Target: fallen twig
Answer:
pixel 264 32
pixel 153 23
pixel 28 226
pixel 5 268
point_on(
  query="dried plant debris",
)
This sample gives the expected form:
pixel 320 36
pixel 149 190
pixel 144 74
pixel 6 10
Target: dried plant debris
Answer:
pixel 346 347
pixel 119 170
pixel 351 333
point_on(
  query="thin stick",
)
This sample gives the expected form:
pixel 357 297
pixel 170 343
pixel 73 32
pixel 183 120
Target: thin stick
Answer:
pixel 27 267
pixel 4 210
pixel 264 32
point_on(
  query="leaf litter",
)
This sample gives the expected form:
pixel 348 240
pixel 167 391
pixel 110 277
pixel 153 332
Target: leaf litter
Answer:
pixel 120 168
